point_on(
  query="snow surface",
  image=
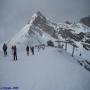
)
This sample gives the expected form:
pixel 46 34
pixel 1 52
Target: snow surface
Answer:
pixel 20 36
pixel 85 53
pixel 49 69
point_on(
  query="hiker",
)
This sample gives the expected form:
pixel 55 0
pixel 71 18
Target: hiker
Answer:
pixel 15 52
pixel 27 50
pixel 32 49
pixel 80 54
pixel 5 49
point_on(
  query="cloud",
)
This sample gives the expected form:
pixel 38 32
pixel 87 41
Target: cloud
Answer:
pixel 14 14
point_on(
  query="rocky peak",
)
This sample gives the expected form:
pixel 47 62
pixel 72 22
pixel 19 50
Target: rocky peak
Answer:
pixel 39 21
pixel 38 18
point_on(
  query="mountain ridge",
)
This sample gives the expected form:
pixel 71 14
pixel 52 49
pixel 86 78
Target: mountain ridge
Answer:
pixel 39 30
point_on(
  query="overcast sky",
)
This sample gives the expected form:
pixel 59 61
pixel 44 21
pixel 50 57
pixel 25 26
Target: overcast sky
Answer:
pixel 14 14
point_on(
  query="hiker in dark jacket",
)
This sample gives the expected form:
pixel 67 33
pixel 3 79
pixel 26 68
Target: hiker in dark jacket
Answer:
pixel 32 49
pixel 27 50
pixel 5 49
pixel 15 52
pixel 80 54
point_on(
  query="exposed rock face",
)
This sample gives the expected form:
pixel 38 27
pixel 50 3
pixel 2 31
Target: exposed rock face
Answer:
pixel 41 22
pixel 86 21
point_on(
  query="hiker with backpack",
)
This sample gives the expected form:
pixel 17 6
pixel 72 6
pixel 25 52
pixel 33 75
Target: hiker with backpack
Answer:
pixel 5 49
pixel 32 50
pixel 14 52
pixel 27 50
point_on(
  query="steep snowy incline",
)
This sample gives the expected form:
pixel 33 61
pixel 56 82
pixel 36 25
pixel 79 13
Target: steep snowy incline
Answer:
pixel 51 69
pixel 20 36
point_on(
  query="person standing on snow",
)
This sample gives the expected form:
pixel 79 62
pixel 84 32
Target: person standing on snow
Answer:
pixel 15 52
pixel 32 49
pixel 27 50
pixel 80 54
pixel 5 49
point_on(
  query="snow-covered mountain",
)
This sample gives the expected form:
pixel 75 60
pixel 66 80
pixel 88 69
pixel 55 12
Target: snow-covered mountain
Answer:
pixel 37 31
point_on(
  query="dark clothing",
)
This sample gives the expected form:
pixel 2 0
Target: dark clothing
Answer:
pixel 27 50
pixel 15 53
pixel 15 56
pixel 5 53
pixel 32 49
pixel 80 54
pixel 5 49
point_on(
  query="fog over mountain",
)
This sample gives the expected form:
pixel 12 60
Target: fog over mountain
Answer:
pixel 14 14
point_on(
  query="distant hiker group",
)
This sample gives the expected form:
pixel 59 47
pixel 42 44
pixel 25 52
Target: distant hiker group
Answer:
pixel 14 51
pixel 28 50
pixel 32 49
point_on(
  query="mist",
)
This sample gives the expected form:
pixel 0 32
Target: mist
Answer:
pixel 14 14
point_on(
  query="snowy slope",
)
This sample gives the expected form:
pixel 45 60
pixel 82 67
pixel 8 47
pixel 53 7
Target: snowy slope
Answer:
pixel 50 69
